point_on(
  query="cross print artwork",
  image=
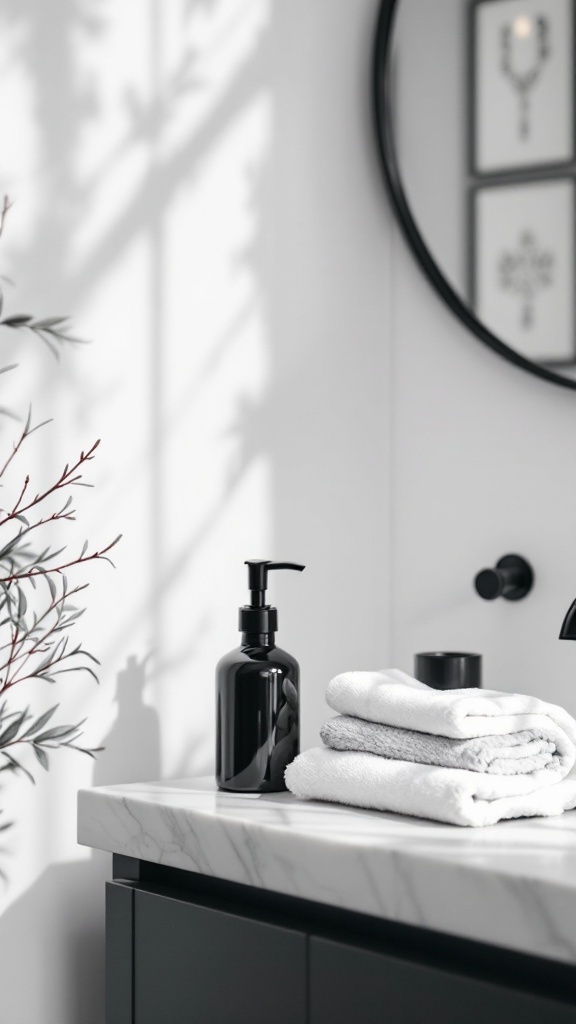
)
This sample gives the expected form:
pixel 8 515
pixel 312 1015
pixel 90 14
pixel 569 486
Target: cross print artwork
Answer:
pixel 525 271
pixel 523 266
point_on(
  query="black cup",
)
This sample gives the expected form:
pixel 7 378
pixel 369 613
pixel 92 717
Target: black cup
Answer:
pixel 448 670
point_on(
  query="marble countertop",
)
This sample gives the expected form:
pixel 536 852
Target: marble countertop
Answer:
pixel 511 884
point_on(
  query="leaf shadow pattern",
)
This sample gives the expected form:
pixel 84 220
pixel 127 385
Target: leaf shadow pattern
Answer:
pixel 68 982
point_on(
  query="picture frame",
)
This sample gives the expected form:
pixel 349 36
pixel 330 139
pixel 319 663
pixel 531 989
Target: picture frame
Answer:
pixel 523 265
pixel 522 61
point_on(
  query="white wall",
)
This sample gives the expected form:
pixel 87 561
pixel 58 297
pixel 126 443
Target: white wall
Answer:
pixel 196 183
pixel 482 466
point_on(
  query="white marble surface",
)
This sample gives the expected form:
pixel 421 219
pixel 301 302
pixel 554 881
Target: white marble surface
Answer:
pixel 512 884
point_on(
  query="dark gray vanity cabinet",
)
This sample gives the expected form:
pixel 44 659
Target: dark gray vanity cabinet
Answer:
pixel 193 963
pixel 348 984
pixel 185 949
pixel 184 963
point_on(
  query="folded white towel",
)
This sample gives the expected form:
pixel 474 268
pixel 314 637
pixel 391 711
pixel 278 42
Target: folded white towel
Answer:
pixel 454 795
pixel 392 697
pixel 451 795
pixel 518 753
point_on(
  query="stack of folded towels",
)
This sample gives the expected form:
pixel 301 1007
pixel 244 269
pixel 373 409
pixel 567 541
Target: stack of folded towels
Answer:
pixel 466 757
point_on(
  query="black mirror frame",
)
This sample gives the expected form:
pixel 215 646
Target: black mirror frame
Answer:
pixel 384 134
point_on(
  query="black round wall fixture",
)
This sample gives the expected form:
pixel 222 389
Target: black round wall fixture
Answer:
pixel 381 88
pixel 512 578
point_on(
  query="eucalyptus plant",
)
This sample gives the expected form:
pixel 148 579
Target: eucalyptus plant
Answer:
pixel 38 609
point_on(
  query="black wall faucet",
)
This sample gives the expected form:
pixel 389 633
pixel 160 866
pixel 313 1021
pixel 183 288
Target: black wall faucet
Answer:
pixel 568 631
pixel 512 578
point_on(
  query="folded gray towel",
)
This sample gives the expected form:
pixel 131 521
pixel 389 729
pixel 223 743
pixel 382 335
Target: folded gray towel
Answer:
pixel 517 753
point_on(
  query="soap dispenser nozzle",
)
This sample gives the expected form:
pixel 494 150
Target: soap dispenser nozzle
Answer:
pixel 259 617
pixel 258 578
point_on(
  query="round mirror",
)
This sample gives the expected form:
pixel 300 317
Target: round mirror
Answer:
pixel 474 105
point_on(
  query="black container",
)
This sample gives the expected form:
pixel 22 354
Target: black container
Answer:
pixel 448 670
pixel 257 720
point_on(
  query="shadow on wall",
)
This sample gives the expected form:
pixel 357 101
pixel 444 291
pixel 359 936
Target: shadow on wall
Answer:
pixel 317 260
pixel 132 747
pixel 57 926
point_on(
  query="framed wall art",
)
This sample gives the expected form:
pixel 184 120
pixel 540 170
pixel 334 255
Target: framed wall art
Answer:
pixel 523 266
pixel 522 91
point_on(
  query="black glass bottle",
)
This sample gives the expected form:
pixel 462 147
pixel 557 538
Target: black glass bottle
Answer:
pixel 257 723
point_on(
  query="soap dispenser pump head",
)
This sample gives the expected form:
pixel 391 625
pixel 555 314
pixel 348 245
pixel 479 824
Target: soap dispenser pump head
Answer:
pixel 259 617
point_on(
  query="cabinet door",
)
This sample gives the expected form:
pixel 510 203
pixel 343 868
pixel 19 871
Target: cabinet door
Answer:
pixel 194 965
pixel 355 985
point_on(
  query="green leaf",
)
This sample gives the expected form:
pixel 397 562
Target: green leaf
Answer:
pixel 40 722
pixel 42 757
pixel 51 321
pixel 9 547
pixel 56 733
pixel 48 554
pixel 16 321
pixel 92 751
pixel 40 425
pixel 75 615
pixel 70 338
pixel 78 668
pixel 44 663
pixel 11 731
pixel 52 348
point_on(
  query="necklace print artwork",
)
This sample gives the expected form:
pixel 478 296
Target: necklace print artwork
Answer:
pixel 515 39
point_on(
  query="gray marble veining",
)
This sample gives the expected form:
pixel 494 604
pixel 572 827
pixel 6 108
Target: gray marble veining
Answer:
pixel 512 884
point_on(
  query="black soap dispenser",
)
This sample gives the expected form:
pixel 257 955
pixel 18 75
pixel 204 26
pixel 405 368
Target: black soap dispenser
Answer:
pixel 257 729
